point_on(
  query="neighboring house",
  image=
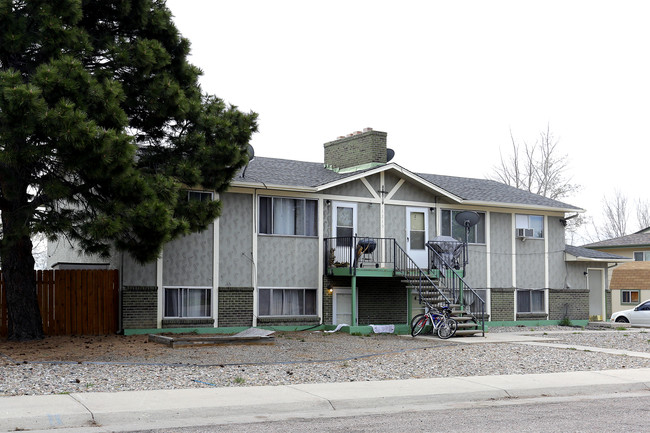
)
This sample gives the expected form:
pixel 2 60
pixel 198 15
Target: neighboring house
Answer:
pixel 628 283
pixel 303 243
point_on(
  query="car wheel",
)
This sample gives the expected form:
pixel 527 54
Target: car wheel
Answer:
pixel 622 319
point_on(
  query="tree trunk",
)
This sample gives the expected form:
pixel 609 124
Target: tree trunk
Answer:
pixel 25 321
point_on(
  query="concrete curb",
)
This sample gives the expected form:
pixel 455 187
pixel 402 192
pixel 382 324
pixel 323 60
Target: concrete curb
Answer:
pixel 196 406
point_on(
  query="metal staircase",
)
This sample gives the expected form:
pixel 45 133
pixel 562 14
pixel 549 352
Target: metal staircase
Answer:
pixel 441 283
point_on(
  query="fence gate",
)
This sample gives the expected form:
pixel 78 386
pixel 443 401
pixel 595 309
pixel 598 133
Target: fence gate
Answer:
pixel 73 302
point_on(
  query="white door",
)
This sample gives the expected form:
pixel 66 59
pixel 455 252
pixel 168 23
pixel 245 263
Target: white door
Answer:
pixel 344 225
pixel 417 234
pixel 596 286
pixel 342 307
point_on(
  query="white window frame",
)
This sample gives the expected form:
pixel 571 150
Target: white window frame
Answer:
pixel 194 195
pixel 450 230
pixel 527 224
pixel 181 306
pixel 544 301
pixel 644 254
pixel 304 289
pixel 271 227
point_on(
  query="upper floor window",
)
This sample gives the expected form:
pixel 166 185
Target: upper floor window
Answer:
pixel 530 226
pixel 449 227
pixel 288 216
pixel 642 256
pixel 199 195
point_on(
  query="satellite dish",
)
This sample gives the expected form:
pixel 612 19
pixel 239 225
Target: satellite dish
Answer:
pixel 251 156
pixel 467 218
pixel 390 154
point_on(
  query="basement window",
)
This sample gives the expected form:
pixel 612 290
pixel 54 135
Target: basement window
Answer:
pixel 530 301
pixel 191 302
pixel 287 302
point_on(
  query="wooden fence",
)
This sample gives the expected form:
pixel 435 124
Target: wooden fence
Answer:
pixel 73 302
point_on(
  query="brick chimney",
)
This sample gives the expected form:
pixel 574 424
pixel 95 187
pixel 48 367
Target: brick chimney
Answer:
pixel 358 149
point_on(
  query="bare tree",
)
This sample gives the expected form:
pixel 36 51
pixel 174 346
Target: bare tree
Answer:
pixel 538 168
pixel 643 213
pixel 616 215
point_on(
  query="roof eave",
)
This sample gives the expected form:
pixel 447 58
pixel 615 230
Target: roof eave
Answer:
pixel 521 206
pixel 263 185
pixel 573 258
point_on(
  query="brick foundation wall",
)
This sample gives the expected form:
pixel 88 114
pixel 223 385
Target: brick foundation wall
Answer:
pixel 139 307
pixel 572 303
pixel 381 301
pixel 502 304
pixel 235 306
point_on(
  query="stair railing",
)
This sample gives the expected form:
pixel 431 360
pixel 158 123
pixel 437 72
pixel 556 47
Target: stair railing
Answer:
pixel 405 266
pixel 462 294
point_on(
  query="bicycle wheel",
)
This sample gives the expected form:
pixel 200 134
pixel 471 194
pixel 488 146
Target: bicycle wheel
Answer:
pixel 447 328
pixel 421 326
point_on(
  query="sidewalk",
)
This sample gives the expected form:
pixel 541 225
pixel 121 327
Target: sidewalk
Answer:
pixel 103 412
pixel 173 408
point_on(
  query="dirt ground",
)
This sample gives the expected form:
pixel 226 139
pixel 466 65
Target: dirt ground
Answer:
pixel 285 346
pixel 76 348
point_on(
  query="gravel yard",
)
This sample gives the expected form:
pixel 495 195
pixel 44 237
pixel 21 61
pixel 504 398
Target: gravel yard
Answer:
pixel 117 363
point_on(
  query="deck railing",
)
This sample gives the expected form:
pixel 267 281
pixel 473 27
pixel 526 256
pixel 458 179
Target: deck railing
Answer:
pixel 358 252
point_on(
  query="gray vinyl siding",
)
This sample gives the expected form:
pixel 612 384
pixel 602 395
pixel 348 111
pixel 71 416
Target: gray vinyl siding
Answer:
pixel 500 249
pixel 351 189
pixel 188 261
pixel 368 220
pixel 395 223
pixel 556 245
pixel 390 180
pixel 287 261
pixel 236 240
pixel 530 263
pixel 135 274
pixel 477 267
pixel 575 272
pixel 411 192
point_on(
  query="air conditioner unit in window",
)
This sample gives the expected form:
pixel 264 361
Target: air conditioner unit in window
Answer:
pixel 525 233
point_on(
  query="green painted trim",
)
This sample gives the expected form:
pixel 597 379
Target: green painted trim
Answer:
pixel 528 323
pixel 224 330
pixel 370 272
pixel 361 272
pixel 356 167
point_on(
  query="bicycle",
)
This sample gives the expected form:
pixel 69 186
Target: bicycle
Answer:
pixel 433 320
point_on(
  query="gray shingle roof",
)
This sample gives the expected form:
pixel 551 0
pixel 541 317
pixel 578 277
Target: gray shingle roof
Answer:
pixel 491 190
pixel 636 239
pixel 289 173
pixel 592 254
pixel 312 174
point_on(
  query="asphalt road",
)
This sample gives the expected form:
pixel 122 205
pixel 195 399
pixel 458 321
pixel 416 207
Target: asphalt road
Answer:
pixel 627 412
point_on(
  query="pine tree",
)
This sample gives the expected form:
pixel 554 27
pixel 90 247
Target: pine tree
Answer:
pixel 103 126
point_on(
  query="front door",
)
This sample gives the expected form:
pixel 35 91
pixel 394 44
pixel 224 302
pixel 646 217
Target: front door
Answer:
pixel 596 286
pixel 342 307
pixel 344 227
pixel 416 235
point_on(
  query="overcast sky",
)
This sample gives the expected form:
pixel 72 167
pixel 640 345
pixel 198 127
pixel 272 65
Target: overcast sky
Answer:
pixel 447 81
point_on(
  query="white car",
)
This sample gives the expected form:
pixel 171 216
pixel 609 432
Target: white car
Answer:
pixel 639 315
